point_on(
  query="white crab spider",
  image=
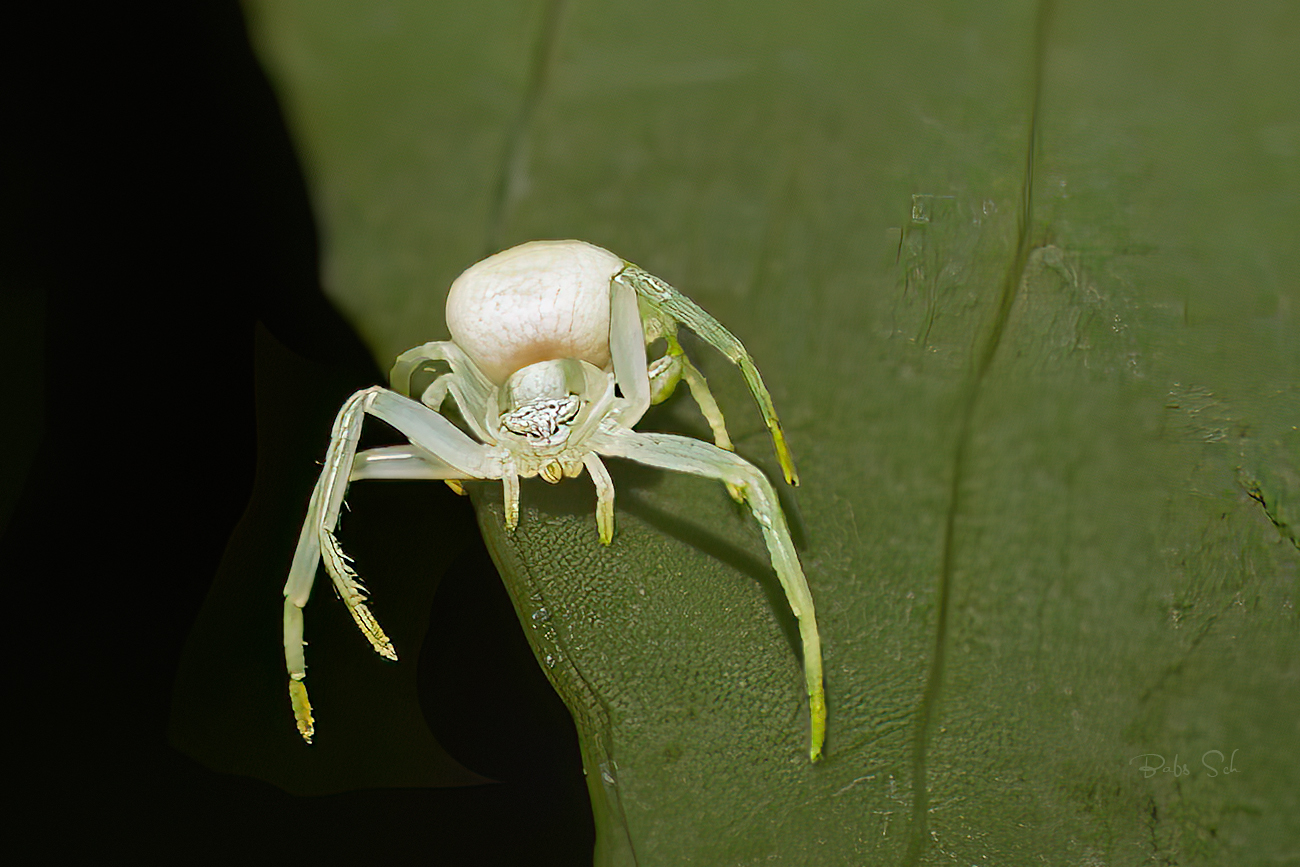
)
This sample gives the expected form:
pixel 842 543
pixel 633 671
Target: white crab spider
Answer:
pixel 541 335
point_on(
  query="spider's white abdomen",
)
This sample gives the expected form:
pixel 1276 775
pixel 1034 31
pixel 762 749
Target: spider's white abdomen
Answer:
pixel 539 301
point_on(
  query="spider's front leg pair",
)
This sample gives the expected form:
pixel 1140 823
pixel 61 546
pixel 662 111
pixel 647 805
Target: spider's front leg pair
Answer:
pixel 438 450
pixel 662 308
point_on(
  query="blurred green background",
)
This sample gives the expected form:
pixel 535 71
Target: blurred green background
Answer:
pixel 1045 410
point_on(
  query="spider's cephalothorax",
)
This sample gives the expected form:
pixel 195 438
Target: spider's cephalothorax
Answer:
pixel 545 422
pixel 542 402
pixel 547 364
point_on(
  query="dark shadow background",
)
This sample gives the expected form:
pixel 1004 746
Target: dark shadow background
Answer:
pixel 154 213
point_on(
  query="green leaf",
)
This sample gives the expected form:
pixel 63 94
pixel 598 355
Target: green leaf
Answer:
pixel 1045 410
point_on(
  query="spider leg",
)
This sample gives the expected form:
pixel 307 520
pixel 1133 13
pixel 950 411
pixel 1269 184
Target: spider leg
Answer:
pixel 307 556
pixel 408 462
pixel 433 398
pixel 436 392
pixel 439 451
pixel 627 352
pixel 674 366
pixel 402 462
pixel 443 452
pixel 668 302
pixel 687 455
pixel 468 386
pixel 632 324
pixel 604 496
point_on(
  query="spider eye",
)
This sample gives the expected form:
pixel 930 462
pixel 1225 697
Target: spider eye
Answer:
pixel 543 422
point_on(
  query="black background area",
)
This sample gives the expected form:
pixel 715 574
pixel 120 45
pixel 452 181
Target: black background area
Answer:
pixel 154 214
